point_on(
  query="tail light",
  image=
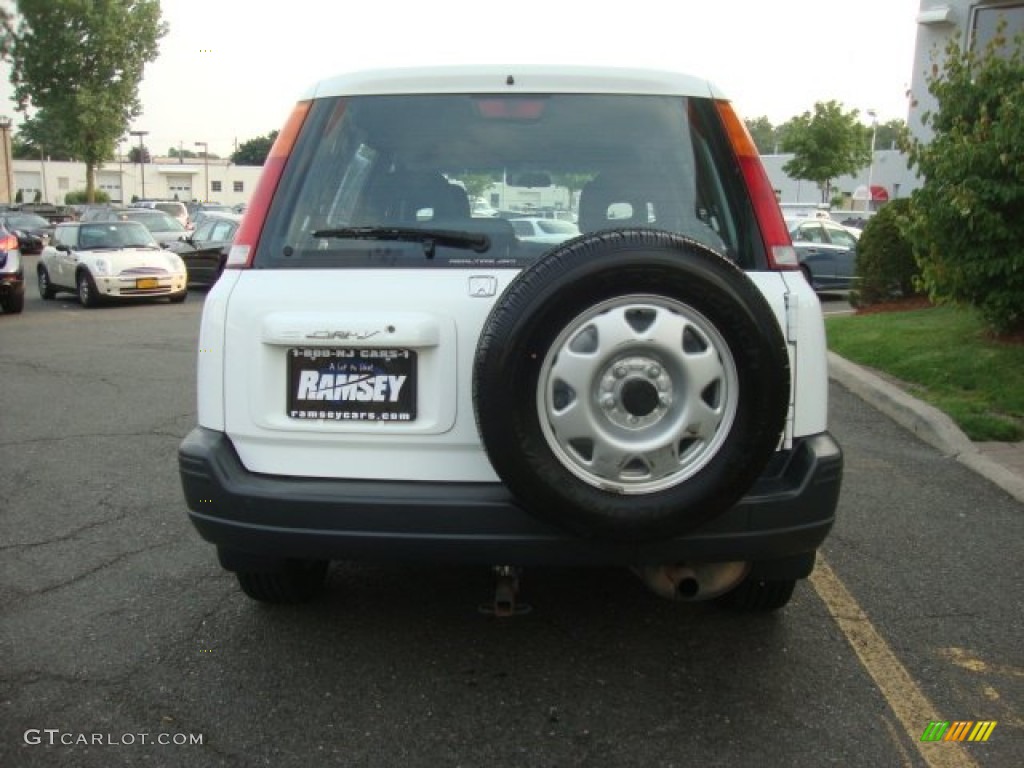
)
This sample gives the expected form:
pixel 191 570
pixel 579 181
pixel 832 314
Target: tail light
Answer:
pixel 244 247
pixel 8 242
pixel 777 243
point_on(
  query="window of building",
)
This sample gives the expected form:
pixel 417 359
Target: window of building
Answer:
pixel 986 23
pixel 215 186
pixel 239 186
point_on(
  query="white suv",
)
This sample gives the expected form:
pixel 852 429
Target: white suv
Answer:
pixel 383 376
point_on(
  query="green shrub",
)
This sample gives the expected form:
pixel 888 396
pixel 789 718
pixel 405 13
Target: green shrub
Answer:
pixel 78 196
pixel 967 220
pixel 885 257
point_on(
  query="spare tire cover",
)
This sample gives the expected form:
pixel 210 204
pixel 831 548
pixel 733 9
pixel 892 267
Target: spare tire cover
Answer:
pixel 630 385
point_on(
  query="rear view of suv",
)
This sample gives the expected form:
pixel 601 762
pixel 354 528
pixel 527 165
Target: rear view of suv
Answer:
pixel 385 376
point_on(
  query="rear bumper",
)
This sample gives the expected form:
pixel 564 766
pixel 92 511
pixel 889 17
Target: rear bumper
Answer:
pixel 788 513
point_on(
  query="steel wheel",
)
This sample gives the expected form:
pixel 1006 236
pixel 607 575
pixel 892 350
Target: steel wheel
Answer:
pixel 637 394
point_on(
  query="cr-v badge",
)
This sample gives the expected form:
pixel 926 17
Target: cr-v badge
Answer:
pixel 483 286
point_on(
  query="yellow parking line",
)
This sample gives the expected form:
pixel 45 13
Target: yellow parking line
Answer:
pixel 908 703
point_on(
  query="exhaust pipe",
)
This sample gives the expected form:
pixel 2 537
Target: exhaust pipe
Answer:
pixel 691 582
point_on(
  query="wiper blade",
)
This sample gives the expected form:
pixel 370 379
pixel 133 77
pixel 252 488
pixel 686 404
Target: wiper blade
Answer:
pixel 428 237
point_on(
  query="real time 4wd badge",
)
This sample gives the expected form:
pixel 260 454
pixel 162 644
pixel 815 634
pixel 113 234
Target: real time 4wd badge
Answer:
pixel 352 384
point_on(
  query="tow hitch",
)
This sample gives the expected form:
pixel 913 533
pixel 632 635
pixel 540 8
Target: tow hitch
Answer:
pixel 506 590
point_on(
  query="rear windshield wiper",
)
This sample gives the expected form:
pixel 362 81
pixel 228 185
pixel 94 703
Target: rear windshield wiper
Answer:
pixel 428 237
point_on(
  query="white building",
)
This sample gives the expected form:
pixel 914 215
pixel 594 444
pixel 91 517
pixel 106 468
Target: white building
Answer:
pixel 970 23
pixel 165 178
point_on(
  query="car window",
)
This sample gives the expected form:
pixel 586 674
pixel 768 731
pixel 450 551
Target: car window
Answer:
pixel 222 230
pixel 841 237
pixel 811 232
pixel 26 221
pixel 203 230
pixel 555 227
pixel 65 236
pixel 114 234
pixel 522 228
pixel 154 221
pixel 406 161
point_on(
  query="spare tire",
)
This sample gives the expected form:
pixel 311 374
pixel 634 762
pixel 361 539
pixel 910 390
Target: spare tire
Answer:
pixel 632 384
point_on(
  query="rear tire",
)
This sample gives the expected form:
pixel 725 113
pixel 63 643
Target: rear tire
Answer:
pixel 298 581
pixel 758 595
pixel 13 304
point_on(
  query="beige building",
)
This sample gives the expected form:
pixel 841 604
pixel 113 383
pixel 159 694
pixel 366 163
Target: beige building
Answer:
pixel 217 181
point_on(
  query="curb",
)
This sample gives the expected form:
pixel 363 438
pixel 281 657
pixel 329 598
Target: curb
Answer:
pixel 927 422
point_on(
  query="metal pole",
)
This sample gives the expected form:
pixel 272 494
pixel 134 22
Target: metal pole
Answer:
pixel 142 167
pixel 206 168
pixel 871 165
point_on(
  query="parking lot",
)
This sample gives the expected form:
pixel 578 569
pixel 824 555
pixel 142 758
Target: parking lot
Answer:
pixel 123 643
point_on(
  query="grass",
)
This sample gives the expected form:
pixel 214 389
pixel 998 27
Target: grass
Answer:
pixel 943 356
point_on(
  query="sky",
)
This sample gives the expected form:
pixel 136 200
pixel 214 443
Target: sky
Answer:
pixel 230 70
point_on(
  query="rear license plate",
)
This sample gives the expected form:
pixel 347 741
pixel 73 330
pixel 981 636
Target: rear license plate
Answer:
pixel 147 282
pixel 352 384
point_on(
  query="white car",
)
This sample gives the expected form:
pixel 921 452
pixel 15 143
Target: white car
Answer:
pixel 531 229
pixel 387 377
pixel 103 260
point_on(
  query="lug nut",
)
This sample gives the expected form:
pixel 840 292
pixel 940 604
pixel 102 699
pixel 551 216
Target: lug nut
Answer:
pixel 654 371
pixel 608 401
pixel 620 371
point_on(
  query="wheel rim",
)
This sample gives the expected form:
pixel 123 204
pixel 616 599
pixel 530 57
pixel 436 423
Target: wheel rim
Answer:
pixel 637 394
pixel 44 283
pixel 83 289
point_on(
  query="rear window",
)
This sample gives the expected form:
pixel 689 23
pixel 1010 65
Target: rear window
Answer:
pixel 173 209
pixel 384 181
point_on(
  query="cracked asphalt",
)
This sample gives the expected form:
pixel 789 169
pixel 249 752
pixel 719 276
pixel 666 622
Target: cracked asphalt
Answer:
pixel 117 626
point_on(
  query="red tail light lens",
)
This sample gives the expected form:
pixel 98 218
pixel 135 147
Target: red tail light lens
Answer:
pixel 777 243
pixel 244 248
pixel 8 243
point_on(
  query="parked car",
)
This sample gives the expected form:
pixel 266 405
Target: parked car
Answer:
pixel 200 213
pixel 12 274
pixel 99 211
pixel 33 231
pixel 384 376
pixel 537 230
pixel 205 249
pixel 164 228
pixel 172 208
pixel 106 260
pixel 827 252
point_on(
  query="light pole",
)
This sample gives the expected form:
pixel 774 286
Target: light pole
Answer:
pixel 206 168
pixel 873 114
pixel 5 139
pixel 142 169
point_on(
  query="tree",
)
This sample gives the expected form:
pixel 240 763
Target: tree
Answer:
pixel 78 65
pixel 477 183
pixel 254 151
pixel 891 134
pixel 764 135
pixel 139 155
pixel 186 154
pixel 40 136
pixel 967 219
pixel 826 144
